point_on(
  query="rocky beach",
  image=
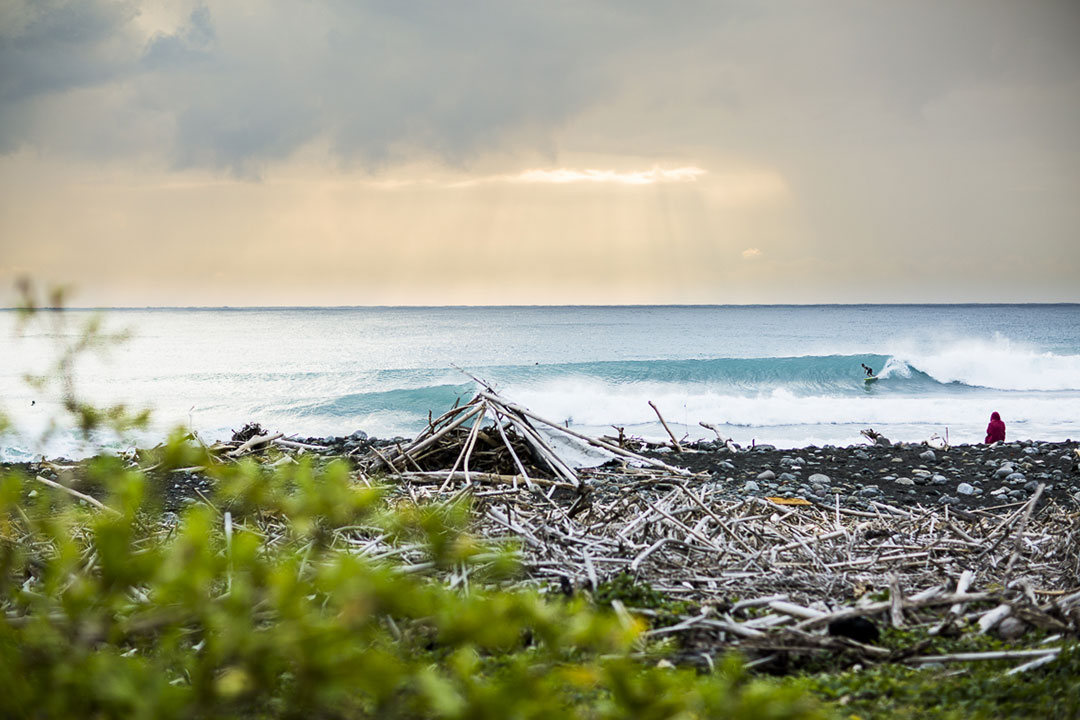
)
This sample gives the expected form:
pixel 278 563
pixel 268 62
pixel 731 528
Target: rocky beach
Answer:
pixel 885 555
pixel 963 477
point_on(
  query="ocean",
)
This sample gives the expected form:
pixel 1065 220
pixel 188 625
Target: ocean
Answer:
pixel 789 376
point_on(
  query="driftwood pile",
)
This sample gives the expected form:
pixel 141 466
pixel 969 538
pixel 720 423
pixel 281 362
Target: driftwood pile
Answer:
pixel 771 577
pixel 516 447
pixel 775 578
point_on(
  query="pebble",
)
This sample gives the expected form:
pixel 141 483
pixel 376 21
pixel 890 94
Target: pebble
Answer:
pixel 819 479
pixel 766 475
pixel 1015 478
pixel 751 487
pixel 928 456
pixel 1011 629
pixel 905 481
pixel 965 489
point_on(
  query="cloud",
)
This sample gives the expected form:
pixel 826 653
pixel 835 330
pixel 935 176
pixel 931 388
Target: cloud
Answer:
pixel 568 176
pixel 931 128
pixel 190 45
pixel 562 176
pixel 751 254
pixel 53 47
pixel 240 87
pixel 48 49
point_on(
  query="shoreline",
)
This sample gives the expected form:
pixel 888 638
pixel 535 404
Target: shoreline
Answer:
pixel 858 477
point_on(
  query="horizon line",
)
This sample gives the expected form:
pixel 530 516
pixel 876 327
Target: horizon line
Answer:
pixel 10 308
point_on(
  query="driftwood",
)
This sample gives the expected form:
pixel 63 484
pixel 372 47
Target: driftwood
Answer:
pixel 800 570
pixel 515 443
pixel 76 494
pixel 674 441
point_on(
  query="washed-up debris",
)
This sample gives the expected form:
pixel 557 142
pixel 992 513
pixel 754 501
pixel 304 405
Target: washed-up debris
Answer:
pixel 774 577
pixel 516 443
pixel 810 566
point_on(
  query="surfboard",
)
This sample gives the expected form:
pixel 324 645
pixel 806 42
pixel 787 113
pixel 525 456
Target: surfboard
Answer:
pixel 871 379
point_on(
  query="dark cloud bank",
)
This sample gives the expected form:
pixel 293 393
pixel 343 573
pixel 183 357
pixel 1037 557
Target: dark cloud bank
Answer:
pixel 239 86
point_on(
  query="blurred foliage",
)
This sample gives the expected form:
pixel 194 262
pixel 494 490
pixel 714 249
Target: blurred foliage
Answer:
pixel 261 602
pixel 71 340
pixel 959 692
pixel 638 594
pixel 270 611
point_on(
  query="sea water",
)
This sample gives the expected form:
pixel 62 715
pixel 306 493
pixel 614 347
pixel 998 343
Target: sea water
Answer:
pixel 783 375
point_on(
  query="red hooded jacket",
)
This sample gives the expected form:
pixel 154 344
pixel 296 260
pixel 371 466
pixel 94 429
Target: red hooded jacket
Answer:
pixel 995 431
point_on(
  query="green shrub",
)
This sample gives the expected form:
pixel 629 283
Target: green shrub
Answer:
pixel 123 615
pixel 975 690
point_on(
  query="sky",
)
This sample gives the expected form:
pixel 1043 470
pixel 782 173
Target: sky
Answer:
pixel 494 152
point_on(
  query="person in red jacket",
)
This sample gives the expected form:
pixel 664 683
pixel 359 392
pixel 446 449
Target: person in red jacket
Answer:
pixel 995 431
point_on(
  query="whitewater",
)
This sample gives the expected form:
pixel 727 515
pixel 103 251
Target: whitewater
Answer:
pixel 784 375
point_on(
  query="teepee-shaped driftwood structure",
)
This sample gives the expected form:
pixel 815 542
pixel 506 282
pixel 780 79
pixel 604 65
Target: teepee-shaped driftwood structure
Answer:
pixel 516 445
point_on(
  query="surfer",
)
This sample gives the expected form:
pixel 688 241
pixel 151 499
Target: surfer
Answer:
pixel 869 370
pixel 995 431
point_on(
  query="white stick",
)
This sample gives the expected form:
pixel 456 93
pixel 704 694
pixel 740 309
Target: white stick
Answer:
pixel 995 655
pixel 254 442
pixel 796 610
pixel 76 493
pixel 896 602
pixel 993 617
pixel 1039 662
pixel 592 441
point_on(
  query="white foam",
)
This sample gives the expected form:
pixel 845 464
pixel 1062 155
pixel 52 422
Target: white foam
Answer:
pixel 599 405
pixel 1000 364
